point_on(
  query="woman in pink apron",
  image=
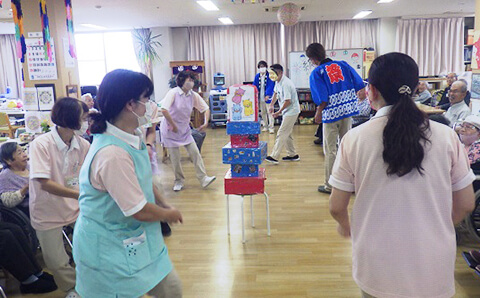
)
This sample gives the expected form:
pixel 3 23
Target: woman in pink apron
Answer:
pixel 177 106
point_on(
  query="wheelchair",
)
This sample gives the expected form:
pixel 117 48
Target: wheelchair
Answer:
pixel 470 226
pixel 15 216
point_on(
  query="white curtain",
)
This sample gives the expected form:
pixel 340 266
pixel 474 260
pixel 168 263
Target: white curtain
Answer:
pixel 332 34
pixel 10 66
pixel 436 44
pixel 234 50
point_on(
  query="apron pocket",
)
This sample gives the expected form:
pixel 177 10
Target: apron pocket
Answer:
pixel 137 252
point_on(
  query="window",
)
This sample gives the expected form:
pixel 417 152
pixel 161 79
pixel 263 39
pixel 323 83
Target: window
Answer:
pixel 100 53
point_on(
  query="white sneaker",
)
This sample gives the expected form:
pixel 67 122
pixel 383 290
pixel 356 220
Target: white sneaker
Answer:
pixel 207 181
pixel 177 186
pixel 264 129
pixel 271 131
pixel 72 294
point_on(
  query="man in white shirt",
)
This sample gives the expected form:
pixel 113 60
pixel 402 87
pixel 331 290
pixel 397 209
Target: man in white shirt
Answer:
pixel 458 109
pixel 286 94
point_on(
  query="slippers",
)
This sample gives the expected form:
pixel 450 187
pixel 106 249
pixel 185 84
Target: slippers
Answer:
pixel 323 189
pixel 471 262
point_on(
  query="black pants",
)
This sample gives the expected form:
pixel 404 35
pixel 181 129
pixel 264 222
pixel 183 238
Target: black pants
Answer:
pixel 15 253
pixel 319 133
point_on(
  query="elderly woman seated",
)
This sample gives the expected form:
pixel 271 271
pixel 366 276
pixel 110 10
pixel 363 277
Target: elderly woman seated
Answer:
pixel 14 177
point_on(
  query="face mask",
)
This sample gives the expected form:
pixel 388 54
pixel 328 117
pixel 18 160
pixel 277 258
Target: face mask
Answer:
pixel 262 69
pixel 188 85
pixel 83 129
pixel 147 117
pixel 468 139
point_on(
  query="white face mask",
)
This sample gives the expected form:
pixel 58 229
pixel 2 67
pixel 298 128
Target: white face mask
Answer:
pixel 262 70
pixel 83 129
pixel 188 85
pixel 147 117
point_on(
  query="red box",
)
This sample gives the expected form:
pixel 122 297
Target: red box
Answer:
pixel 244 141
pixel 245 185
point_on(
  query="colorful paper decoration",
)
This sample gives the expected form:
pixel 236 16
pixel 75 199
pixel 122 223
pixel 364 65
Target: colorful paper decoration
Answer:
pixel 71 40
pixel 242 103
pixel 288 14
pixel 1 5
pixel 19 36
pixel 45 30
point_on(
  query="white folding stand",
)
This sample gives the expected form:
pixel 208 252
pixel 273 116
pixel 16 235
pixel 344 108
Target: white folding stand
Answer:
pixel 252 216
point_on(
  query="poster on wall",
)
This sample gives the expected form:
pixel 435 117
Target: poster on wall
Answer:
pixel 34 119
pixel 46 96
pixel 242 103
pixel 30 99
pixel 40 68
pixel 475 86
pixel 476 50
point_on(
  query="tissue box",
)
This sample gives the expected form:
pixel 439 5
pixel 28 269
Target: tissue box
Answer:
pixel 245 186
pixel 243 128
pixel 244 141
pixel 244 156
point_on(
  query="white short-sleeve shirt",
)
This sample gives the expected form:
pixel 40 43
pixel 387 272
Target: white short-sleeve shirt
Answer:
pixel 285 89
pixel 403 236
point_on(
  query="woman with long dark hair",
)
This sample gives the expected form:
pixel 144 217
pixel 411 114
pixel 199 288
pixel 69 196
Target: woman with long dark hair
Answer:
pixel 412 183
pixel 118 245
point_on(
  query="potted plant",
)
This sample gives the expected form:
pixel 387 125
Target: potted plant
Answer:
pixel 146 45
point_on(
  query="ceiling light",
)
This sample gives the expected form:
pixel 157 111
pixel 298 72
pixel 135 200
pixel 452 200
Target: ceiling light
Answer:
pixel 94 26
pixel 362 14
pixel 384 1
pixel 226 21
pixel 208 5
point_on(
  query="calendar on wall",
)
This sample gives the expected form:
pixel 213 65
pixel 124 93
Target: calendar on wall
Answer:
pixel 40 68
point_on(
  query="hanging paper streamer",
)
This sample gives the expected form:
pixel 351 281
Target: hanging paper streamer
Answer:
pixel 1 5
pixel 71 44
pixel 18 20
pixel 45 30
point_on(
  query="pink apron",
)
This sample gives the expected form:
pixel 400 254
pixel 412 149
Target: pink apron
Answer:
pixel 180 111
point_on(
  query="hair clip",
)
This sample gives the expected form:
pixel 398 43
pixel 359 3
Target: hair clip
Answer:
pixel 405 89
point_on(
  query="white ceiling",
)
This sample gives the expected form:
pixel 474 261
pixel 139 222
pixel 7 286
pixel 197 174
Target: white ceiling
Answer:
pixel 127 14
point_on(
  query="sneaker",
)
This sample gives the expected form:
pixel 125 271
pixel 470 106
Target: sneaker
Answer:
pixel 39 286
pixel 271 159
pixel 166 231
pixel 177 186
pixel 318 142
pixel 291 158
pixel 271 131
pixel 72 294
pixel 207 181
pixel 264 129
pixel 323 189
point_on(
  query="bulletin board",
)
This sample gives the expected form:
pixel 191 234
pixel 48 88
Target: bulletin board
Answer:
pixel 300 67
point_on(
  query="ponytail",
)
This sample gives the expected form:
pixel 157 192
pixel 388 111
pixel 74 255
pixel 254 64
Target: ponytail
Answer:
pixel 406 133
pixel 99 123
pixel 404 137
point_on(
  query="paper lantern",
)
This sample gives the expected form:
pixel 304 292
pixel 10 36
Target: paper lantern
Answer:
pixel 288 14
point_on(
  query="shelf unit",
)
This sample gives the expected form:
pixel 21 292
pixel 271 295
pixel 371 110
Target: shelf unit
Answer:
pixel 307 106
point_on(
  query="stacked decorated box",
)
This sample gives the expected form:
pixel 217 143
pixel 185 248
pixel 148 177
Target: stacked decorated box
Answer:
pixel 245 152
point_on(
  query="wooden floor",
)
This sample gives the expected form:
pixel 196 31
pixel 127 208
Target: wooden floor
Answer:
pixel 304 257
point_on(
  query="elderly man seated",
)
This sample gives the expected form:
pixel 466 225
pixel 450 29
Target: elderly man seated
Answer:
pixel 444 102
pixel 458 109
pixel 422 95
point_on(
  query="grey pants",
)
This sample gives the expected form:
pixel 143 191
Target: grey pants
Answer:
pixel 169 287
pixel 332 135
pixel 197 160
